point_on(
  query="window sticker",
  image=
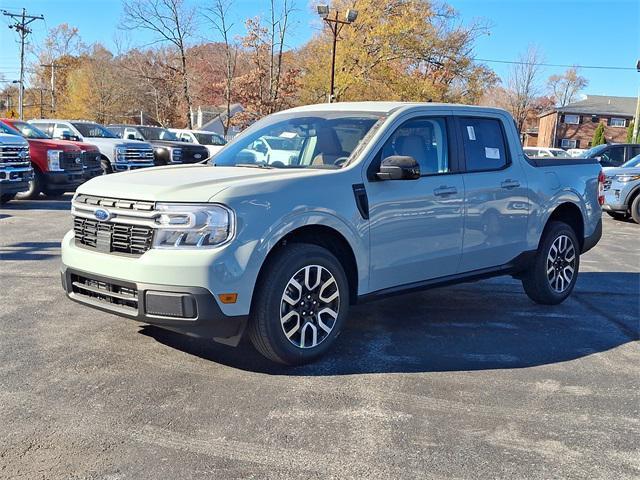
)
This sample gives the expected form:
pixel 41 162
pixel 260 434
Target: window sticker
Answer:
pixel 471 132
pixel 492 153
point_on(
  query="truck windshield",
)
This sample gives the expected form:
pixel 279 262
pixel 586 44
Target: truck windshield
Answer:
pixel 593 152
pixel 299 140
pixel 7 130
pixel 209 138
pixel 30 131
pixel 157 133
pixel 93 130
pixel 634 162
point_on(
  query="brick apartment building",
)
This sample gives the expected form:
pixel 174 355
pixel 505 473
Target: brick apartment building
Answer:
pixel 573 125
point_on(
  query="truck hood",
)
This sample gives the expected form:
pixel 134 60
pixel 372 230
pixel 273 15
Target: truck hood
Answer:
pixel 111 143
pixel 611 171
pixel 180 183
pixel 50 144
pixel 17 139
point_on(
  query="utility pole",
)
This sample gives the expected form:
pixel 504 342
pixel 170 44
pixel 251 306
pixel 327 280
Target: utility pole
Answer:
pixel 636 120
pixel 20 26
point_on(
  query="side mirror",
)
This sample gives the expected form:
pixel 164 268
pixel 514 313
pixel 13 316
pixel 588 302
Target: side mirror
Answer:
pixel 398 167
pixel 65 136
pixel 131 136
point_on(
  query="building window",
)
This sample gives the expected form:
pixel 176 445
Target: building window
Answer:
pixel 568 143
pixel 572 119
pixel 617 122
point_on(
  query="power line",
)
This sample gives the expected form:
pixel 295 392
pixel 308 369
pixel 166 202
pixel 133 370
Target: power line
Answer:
pixel 513 62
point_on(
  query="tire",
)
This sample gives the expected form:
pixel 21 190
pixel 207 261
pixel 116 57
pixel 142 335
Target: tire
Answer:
pixel 106 166
pixel 618 215
pixel 35 188
pixel 6 198
pixel 554 287
pixel 53 193
pixel 277 328
pixel 635 209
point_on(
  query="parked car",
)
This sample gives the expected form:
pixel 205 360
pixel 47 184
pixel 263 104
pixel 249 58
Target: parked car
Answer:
pixel 544 152
pixel 576 152
pixel 374 202
pixel 613 154
pixel 167 148
pixel 59 165
pixel 90 153
pixel 622 190
pixel 15 164
pixel 212 141
pixel 116 155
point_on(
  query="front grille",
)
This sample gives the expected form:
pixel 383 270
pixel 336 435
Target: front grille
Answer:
pixel 138 155
pixel 14 154
pixel 119 295
pixel 188 154
pixel 112 237
pixel 70 161
pixel 114 202
pixel 90 160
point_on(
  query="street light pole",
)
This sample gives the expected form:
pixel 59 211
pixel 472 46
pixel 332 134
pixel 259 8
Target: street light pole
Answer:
pixel 335 25
pixel 636 120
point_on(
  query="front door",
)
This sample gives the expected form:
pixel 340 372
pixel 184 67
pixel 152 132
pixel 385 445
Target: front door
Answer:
pixel 416 226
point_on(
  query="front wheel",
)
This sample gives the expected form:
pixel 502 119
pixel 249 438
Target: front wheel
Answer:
pixel 300 304
pixel 635 209
pixel 7 197
pixel 554 272
pixel 36 185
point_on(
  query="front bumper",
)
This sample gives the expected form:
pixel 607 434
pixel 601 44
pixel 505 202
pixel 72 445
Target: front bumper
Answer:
pixel 191 311
pixel 64 180
pixel 15 179
pixel 89 172
pixel 124 166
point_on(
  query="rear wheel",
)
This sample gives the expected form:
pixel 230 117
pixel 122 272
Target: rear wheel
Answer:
pixel 36 185
pixel 54 193
pixel 300 305
pixel 553 275
pixel 618 215
pixel 106 166
pixel 635 209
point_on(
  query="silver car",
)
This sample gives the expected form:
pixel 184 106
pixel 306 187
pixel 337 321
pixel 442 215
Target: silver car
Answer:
pixel 622 190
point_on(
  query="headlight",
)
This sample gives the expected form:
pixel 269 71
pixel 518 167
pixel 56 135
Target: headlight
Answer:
pixel 193 226
pixel 627 177
pixel 53 160
pixel 119 154
pixel 176 155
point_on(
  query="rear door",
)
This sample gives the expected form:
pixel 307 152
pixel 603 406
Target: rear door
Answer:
pixel 496 198
pixel 416 226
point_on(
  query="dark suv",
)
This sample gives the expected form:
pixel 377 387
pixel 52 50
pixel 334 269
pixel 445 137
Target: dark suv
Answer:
pixel 167 147
pixel 613 154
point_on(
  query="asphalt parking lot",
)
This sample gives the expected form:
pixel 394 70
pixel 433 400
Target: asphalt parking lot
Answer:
pixel 471 381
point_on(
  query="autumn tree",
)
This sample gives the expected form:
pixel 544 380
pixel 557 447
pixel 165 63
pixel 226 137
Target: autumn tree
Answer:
pixel 172 22
pixel 218 15
pixel 397 50
pixel 566 87
pixel 522 86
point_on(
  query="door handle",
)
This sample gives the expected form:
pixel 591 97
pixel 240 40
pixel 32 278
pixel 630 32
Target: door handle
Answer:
pixel 509 184
pixel 444 190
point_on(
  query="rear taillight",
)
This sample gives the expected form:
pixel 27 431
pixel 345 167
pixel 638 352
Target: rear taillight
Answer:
pixel 601 179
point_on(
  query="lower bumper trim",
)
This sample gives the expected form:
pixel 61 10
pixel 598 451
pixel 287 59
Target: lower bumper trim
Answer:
pixel 191 311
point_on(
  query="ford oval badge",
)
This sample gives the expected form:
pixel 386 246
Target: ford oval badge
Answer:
pixel 102 215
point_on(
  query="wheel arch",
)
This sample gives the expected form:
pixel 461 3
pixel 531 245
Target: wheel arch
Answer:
pixel 570 214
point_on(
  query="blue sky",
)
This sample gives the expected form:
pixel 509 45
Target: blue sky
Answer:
pixel 587 32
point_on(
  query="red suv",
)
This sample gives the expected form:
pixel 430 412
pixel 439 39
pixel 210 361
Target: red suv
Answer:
pixel 59 165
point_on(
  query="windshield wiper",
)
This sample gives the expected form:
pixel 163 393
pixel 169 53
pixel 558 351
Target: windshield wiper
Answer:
pixel 253 165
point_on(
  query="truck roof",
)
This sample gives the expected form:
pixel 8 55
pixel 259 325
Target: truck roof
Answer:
pixel 385 107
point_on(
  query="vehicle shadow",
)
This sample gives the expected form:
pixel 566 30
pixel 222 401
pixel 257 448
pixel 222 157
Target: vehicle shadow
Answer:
pixel 43 203
pixel 487 325
pixel 30 251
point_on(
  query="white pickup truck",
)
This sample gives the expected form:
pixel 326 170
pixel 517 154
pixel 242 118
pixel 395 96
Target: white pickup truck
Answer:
pixel 15 165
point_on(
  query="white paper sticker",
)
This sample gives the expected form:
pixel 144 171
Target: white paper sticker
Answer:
pixel 471 132
pixel 493 153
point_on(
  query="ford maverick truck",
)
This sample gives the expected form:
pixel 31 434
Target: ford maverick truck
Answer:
pixel 378 199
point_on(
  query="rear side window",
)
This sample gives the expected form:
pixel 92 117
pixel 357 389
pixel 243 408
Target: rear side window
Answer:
pixel 484 144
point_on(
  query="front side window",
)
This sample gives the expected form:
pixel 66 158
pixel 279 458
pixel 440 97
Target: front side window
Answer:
pixel 618 122
pixel 298 140
pixel 92 130
pixel 423 139
pixel 484 144
pixel 572 119
pixel 614 156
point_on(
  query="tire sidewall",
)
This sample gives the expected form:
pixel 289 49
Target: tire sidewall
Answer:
pixel 35 188
pixel 283 268
pixel 635 209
